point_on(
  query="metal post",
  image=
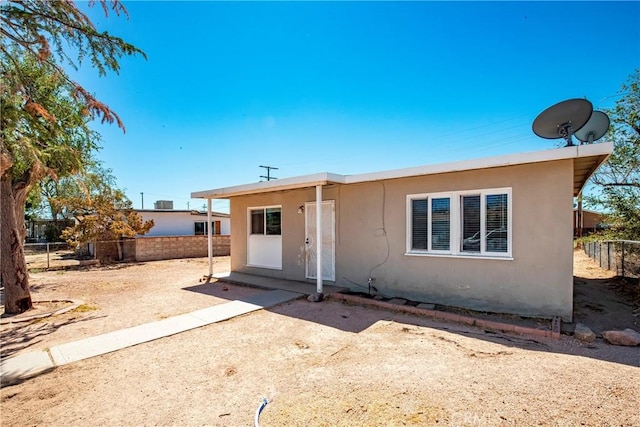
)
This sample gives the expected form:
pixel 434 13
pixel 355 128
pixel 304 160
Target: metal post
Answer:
pixel 209 238
pixel 47 255
pixel 319 239
pixel 623 258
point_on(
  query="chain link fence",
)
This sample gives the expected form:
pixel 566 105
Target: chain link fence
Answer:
pixel 621 256
pixel 49 255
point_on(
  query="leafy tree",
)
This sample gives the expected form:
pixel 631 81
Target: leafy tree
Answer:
pixel 47 199
pixel 50 191
pixel 44 116
pixel 618 180
pixel 101 211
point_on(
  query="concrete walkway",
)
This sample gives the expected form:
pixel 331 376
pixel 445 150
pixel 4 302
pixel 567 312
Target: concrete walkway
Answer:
pixel 14 369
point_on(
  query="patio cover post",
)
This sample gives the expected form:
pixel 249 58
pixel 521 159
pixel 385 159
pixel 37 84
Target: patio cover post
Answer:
pixel 319 239
pixel 209 238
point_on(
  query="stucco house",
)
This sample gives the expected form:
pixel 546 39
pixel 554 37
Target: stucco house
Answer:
pixel 492 234
pixel 173 222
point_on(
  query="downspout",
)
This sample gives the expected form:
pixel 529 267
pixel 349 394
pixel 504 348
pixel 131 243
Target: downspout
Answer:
pixel 319 240
pixel 209 238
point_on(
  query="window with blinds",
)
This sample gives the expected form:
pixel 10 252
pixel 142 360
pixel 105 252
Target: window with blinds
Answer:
pixel 420 226
pixel 440 224
pixel 497 223
pixel 470 223
pixel 465 223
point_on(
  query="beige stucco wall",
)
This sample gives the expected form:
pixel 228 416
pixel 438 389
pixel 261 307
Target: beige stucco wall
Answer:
pixel 538 280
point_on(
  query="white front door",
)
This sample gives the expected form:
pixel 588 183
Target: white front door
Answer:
pixel 328 240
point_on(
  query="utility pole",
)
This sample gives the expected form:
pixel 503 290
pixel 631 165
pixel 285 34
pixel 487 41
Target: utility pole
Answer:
pixel 268 177
pixel 142 195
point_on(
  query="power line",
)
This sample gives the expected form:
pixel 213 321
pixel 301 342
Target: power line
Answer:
pixel 268 177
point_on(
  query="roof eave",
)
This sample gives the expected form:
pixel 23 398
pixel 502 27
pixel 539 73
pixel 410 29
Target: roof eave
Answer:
pixel 283 184
pixel 593 155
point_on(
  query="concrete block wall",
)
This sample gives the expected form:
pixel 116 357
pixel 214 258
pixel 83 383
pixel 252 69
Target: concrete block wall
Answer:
pixel 175 247
pixel 108 250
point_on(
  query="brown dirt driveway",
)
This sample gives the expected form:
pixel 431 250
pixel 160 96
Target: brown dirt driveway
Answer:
pixel 327 364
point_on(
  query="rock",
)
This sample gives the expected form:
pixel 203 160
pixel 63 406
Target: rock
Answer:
pixel 426 306
pixel 397 301
pixel 317 297
pixel 628 337
pixel 583 333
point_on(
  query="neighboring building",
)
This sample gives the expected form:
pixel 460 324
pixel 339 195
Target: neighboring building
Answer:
pixel 184 222
pixel 45 230
pixel 175 234
pixel 489 234
pixel 587 222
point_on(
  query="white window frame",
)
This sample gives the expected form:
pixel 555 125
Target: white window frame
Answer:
pixel 455 224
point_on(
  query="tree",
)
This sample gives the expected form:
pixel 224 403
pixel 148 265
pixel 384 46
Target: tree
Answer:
pixel 101 211
pixel 618 180
pixel 45 114
pixel 47 197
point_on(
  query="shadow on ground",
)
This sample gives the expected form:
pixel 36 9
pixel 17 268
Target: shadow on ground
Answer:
pixel 19 336
pixel 604 303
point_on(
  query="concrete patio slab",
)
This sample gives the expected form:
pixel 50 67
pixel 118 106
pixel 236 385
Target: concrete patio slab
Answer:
pixel 264 282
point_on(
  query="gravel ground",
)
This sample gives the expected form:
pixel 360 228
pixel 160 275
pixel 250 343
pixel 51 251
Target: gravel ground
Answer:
pixel 327 364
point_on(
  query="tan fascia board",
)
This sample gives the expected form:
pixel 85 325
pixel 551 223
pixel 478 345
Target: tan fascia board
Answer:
pixel 571 152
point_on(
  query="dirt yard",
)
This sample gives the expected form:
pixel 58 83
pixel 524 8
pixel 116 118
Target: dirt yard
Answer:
pixel 326 364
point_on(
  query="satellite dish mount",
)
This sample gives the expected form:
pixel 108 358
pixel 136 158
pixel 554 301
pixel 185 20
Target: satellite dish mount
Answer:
pixel 566 131
pixel 596 128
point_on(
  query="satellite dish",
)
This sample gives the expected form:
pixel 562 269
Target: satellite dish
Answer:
pixel 563 119
pixel 594 129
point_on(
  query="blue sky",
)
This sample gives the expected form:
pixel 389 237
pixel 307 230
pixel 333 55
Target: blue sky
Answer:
pixel 344 87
